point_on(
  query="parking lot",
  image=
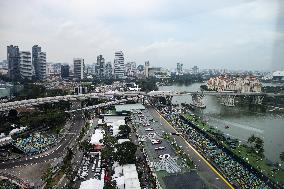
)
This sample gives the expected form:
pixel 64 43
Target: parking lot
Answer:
pixel 150 131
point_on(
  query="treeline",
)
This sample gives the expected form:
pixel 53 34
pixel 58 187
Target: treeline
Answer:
pixel 148 84
pixel 31 91
pixel 48 116
pixel 273 89
pixel 186 79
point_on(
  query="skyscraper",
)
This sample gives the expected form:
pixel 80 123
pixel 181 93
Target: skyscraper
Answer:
pixel 146 72
pixel 100 67
pixel 79 67
pixel 26 66
pixel 39 62
pixel 13 58
pixel 131 69
pixel 195 70
pixel 108 70
pixel 119 65
pixel 65 71
pixel 179 69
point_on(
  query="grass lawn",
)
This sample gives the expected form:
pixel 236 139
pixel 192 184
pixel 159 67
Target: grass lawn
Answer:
pixel 244 152
pixel 257 162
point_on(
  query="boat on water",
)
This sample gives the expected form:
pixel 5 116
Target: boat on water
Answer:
pixel 194 106
pixel 227 127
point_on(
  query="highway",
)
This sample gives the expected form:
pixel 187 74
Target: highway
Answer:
pixel 204 168
pixel 73 132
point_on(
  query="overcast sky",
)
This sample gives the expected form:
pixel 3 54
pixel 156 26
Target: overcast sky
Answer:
pixel 234 34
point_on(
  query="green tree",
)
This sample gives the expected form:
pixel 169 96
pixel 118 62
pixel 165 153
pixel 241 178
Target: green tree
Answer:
pixel 251 139
pixel 86 146
pixel 108 150
pixel 257 144
pixel 124 131
pixel 148 84
pixel 47 177
pixel 110 185
pixel 125 153
pixel 282 156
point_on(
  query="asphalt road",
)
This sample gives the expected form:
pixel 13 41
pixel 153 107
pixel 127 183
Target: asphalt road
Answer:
pixel 210 175
pixel 73 132
pixel 158 130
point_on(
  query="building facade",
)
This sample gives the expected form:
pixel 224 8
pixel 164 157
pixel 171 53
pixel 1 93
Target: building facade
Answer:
pixel 146 67
pixel 26 66
pixel 100 67
pixel 179 69
pixel 13 58
pixel 65 71
pixel 108 70
pixel 239 84
pixel 119 65
pixel 39 63
pixel 195 70
pixel 79 68
pixel 130 69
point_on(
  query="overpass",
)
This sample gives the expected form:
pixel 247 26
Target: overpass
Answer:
pixel 227 97
pixel 33 102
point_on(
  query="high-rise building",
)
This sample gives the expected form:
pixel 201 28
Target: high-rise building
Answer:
pixel 65 71
pixel 100 67
pixel 79 67
pixel 108 70
pixel 118 65
pixel 13 58
pixel 39 62
pixel 195 70
pixel 131 69
pixel 146 67
pixel 179 69
pixel 26 66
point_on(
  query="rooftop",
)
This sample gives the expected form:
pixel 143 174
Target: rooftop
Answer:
pixel 129 107
pixel 95 139
pixel 92 183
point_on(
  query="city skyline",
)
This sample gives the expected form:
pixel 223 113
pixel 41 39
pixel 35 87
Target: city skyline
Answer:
pixel 205 34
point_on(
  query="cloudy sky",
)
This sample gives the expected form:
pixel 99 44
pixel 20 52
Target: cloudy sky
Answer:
pixel 234 34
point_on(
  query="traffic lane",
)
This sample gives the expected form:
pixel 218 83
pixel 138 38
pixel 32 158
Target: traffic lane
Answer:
pixel 154 154
pixel 75 127
pixel 202 167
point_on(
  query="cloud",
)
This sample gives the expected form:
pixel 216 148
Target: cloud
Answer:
pixel 256 11
pixel 204 33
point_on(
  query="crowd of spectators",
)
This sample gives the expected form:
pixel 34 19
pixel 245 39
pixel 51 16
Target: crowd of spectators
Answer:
pixel 5 183
pixel 35 143
pixel 233 170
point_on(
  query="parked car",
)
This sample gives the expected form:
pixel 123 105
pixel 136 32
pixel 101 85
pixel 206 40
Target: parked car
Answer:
pixel 160 148
pixel 155 141
pixel 151 135
pixel 177 134
pixel 149 129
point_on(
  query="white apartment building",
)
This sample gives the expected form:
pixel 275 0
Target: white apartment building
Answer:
pixel 42 66
pixel 26 66
pixel 239 84
pixel 79 67
pixel 39 62
pixel 119 65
